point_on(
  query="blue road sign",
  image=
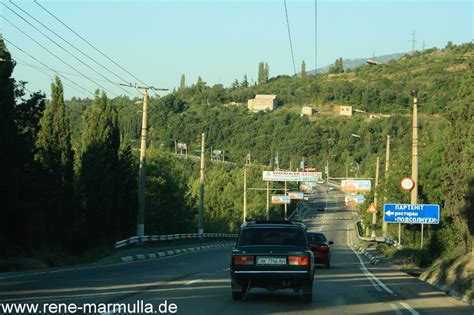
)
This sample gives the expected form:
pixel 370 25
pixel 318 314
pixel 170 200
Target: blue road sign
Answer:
pixel 415 214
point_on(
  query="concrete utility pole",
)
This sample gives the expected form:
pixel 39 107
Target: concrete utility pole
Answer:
pixel 142 166
pixel 286 206
pixel 387 163
pixel 327 171
pixel 201 187
pixel 142 169
pixel 414 150
pixel 414 157
pixel 268 200
pixel 245 196
pixel 374 215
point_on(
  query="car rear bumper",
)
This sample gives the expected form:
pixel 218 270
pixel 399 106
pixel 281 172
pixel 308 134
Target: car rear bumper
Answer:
pixel 322 258
pixel 266 278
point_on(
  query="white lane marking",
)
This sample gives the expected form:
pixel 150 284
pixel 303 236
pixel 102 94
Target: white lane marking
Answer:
pixel 193 281
pixel 362 266
pixel 395 309
pixel 409 308
pixel 380 283
pixel 98 266
pixel 226 269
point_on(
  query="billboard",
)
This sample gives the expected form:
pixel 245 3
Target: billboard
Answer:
pixel 283 176
pixel 356 185
pixel 354 200
pixel 281 199
pixel 294 195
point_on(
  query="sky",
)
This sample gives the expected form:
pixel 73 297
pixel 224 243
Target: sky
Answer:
pixel 158 41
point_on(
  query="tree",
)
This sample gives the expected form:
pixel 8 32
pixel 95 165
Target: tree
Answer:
pixel 8 152
pixel 303 69
pixel 235 84
pixel 338 66
pixel 182 82
pixel 261 73
pixel 245 82
pixel 266 72
pixel 99 171
pixel 459 168
pixel 55 157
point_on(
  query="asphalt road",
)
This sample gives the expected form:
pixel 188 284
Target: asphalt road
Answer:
pixel 198 283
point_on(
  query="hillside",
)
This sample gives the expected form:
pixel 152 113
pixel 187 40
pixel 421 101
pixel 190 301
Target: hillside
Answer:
pixel 352 63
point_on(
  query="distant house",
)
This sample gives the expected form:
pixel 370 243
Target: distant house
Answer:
pixel 306 110
pixel 262 102
pixel 344 110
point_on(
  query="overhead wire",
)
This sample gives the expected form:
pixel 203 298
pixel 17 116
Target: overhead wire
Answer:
pixel 45 65
pixel 91 45
pixel 65 50
pixel 24 63
pixel 289 36
pixel 73 46
pixel 56 56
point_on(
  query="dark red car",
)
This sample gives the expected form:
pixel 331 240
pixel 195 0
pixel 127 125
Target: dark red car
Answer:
pixel 319 245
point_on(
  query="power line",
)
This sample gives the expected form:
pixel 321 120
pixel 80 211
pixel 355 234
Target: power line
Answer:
pixel 289 36
pixel 49 51
pixel 45 65
pixel 72 45
pixel 65 50
pixel 23 63
pixel 89 43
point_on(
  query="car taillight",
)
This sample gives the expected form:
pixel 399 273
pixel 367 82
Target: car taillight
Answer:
pixel 244 260
pixel 298 260
pixel 323 247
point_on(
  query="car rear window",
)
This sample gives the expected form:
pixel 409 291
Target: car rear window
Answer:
pixel 272 236
pixel 315 237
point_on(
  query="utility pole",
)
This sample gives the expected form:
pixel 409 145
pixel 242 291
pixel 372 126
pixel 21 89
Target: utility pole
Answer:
pixel 268 200
pixel 245 196
pixel 201 188
pixel 387 163
pixel 142 165
pixel 286 206
pixel 327 171
pixel 374 215
pixel 142 169
pixel 414 157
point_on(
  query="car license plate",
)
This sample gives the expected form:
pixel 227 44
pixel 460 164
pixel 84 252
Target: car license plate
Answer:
pixel 271 261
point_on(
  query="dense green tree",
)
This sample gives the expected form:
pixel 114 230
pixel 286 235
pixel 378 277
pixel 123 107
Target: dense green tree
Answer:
pixel 182 82
pixel 261 73
pixel 245 82
pixel 100 144
pixel 338 66
pixel 459 163
pixel 235 84
pixel 303 69
pixel 55 156
pixel 8 152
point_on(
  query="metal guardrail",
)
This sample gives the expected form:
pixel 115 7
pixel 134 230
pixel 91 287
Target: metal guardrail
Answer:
pixel 169 237
pixel 386 240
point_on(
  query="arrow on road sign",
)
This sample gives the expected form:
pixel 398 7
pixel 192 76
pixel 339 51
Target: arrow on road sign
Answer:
pixel 372 208
pixel 389 213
